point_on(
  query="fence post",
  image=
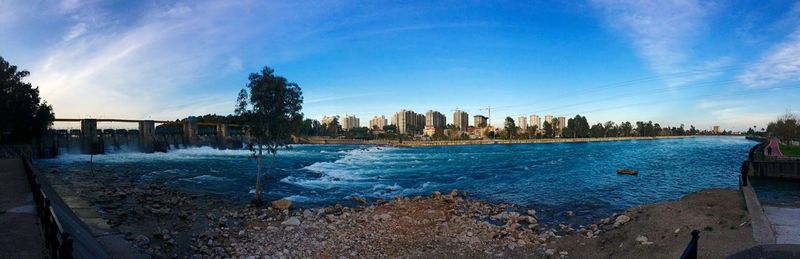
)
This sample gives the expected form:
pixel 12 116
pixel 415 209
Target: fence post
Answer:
pixel 691 249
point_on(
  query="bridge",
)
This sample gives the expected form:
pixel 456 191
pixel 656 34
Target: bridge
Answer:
pixel 151 136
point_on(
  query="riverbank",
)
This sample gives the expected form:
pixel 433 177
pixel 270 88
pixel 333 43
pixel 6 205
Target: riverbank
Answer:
pixel 166 222
pixel 418 143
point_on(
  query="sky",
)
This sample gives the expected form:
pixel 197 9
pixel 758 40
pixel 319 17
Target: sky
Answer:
pixel 735 64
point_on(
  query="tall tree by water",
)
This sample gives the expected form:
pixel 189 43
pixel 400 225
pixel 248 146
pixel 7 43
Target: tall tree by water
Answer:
pixel 510 127
pixel 24 117
pixel 272 111
pixel 548 129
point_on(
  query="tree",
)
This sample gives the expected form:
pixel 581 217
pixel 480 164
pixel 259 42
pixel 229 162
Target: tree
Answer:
pixel 611 129
pixel 272 111
pixel 786 128
pixel 569 130
pixel 532 131
pixel 24 117
pixel 626 129
pixel 598 130
pixel 548 129
pixel 511 127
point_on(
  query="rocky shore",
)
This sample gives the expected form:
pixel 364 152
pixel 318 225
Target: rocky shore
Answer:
pixel 167 223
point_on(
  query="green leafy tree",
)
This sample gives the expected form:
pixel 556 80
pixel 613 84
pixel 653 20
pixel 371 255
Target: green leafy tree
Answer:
pixel 532 131
pixel 510 127
pixel 786 128
pixel 272 111
pixel 598 130
pixel 611 129
pixel 24 117
pixel 626 129
pixel 548 129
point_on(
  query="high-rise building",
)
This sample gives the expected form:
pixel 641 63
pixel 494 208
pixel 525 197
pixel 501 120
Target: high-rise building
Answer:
pixel 419 124
pixel 522 123
pixel 394 120
pixel 716 129
pixel 327 120
pixel 435 119
pixel 349 122
pixel 408 121
pixel 549 119
pixel 461 119
pixel 562 123
pixel 535 121
pixel 480 121
pixel 377 122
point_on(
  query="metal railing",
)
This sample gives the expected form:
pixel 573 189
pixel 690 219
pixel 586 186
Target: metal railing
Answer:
pixel 57 240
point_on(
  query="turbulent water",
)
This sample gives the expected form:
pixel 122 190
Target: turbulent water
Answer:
pixel 559 176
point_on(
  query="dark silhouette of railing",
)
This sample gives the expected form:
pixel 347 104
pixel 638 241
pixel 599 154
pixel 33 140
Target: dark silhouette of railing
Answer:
pixel 691 249
pixel 57 240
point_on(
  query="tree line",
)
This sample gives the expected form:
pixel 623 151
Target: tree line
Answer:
pixel 24 116
pixel 786 128
pixel 578 127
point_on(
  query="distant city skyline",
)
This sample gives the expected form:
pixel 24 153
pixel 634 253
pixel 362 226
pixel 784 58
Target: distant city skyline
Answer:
pixel 727 64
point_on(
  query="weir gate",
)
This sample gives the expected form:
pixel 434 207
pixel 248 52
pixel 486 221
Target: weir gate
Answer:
pixel 150 136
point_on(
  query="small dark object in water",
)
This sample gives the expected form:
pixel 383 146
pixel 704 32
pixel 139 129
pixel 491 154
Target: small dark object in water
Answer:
pixel 627 171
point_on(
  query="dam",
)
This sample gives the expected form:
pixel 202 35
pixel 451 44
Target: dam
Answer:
pixel 147 136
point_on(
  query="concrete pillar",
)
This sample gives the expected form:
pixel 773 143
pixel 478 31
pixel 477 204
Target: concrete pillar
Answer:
pixel 190 133
pixel 147 134
pixel 222 134
pixel 88 135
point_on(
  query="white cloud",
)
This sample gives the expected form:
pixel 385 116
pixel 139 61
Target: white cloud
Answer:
pixel 661 31
pixel 158 64
pixel 781 64
pixel 76 31
pixel 738 117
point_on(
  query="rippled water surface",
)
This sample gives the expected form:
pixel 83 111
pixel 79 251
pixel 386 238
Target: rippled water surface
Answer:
pixel 575 176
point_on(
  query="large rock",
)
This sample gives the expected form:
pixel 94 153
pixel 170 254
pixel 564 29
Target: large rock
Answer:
pixel 142 240
pixel 437 195
pixel 621 220
pixel 359 199
pixel 293 221
pixel 282 204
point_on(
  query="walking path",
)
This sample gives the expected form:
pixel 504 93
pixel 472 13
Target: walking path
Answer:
pixel 21 234
pixel 786 223
pixel 774 143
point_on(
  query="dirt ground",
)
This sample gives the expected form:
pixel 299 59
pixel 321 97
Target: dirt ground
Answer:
pixel 719 214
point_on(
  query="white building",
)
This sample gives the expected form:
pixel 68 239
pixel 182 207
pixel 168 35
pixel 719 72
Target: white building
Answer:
pixel 349 122
pixel 461 119
pixel 377 122
pixel 408 121
pixel 435 119
pixel 327 120
pixel 536 121
pixel 522 123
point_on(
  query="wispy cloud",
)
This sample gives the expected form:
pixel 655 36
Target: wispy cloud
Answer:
pixel 161 61
pixel 661 32
pixel 781 64
pixel 732 117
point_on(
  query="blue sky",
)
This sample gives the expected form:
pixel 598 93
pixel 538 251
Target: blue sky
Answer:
pixel 729 63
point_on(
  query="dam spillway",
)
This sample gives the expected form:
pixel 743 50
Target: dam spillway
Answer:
pixel 150 136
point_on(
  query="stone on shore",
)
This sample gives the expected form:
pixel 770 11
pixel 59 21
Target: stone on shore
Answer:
pixel 621 220
pixel 437 195
pixel 293 221
pixel 358 199
pixel 282 204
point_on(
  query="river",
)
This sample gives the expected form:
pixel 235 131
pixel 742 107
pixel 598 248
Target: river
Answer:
pixel 551 177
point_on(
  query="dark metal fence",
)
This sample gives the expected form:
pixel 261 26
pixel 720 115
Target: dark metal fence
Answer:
pixel 57 240
pixel 691 249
